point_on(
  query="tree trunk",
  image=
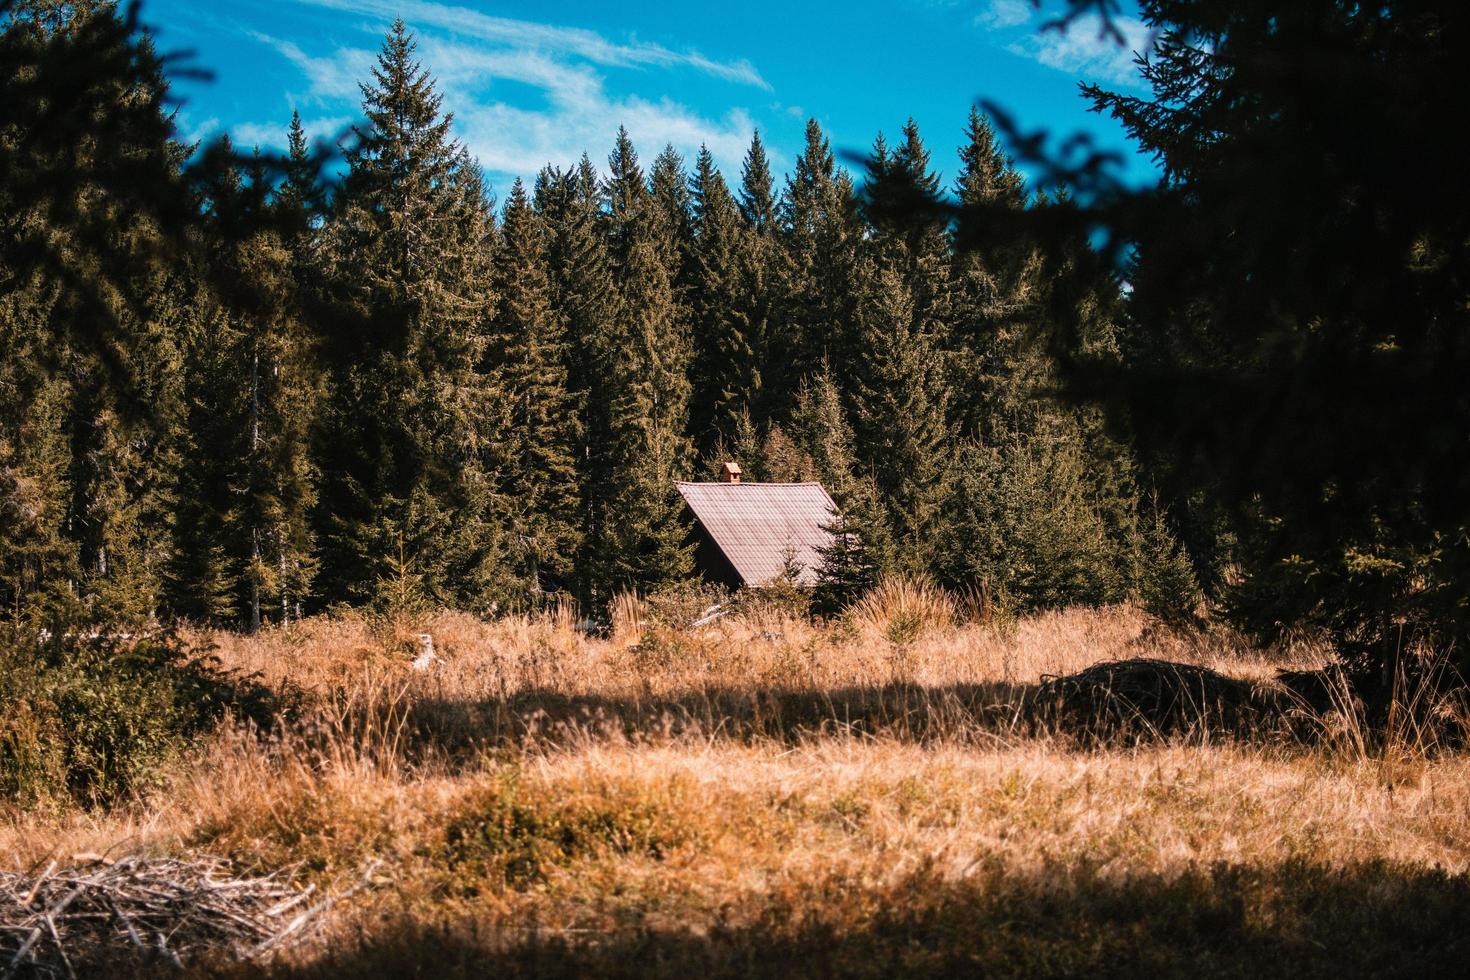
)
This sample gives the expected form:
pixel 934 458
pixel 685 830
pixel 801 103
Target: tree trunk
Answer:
pixel 254 448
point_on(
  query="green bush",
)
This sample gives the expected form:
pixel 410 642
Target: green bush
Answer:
pixel 87 718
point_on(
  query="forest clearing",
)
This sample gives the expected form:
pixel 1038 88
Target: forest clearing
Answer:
pixel 766 796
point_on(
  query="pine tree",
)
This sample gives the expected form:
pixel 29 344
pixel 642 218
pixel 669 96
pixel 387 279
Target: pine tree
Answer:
pixel 646 372
pixel 409 424
pixel 899 394
pixel 583 300
pixel 537 471
pixel 727 376
pixel 822 231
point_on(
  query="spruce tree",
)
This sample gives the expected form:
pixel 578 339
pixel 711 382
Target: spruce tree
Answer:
pixel 861 547
pixel 1021 521
pixel 583 300
pixel 906 219
pixel 646 377
pixel 626 202
pixel 821 234
pixel 994 367
pixel 759 281
pixel 409 425
pixel 671 219
pixel 537 471
pixel 757 188
pixel 38 558
pixel 727 371
pixel 97 226
pixel 899 396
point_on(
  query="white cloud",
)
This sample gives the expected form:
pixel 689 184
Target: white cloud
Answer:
pixel 522 34
pixel 1005 13
pixel 273 135
pixel 473 56
pixel 1083 48
pixel 201 131
pixel 1086 50
pixel 330 76
pixel 579 113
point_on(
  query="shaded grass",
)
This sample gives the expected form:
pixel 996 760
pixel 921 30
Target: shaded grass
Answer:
pixel 1294 919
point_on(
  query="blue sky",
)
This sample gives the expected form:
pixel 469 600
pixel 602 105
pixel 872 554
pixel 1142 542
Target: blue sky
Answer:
pixel 533 83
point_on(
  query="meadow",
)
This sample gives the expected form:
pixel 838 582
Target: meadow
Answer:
pixel 763 795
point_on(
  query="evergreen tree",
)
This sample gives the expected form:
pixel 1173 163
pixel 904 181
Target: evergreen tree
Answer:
pixel 861 548
pixel 625 201
pixel 757 188
pixel 39 560
pixel 1020 520
pixel 537 472
pixel 671 219
pixel 994 365
pixel 96 225
pixel 583 300
pixel 646 374
pixel 760 279
pixel 916 241
pixel 244 542
pixel 1167 585
pixel 726 372
pixel 900 413
pixel 409 423
pixel 745 448
pixel 822 231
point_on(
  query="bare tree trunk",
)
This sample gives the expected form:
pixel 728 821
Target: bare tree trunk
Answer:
pixel 255 529
pixel 255 580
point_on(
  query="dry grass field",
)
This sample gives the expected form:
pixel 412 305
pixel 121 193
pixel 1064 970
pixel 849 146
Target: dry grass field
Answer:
pixel 763 796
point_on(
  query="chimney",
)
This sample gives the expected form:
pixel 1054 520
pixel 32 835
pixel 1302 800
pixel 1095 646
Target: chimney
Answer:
pixel 730 473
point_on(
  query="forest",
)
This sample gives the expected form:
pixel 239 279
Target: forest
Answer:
pixel 393 386
pixel 240 388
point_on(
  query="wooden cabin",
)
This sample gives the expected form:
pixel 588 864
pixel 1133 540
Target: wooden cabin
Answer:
pixel 745 533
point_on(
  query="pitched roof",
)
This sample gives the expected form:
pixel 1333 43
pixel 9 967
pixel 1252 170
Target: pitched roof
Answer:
pixel 755 523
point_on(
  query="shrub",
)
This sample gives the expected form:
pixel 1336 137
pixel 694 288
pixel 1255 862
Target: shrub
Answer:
pixel 681 606
pixel 89 717
pixel 782 597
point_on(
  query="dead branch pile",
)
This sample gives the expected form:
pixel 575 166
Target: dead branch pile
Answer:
pixel 1152 698
pixel 141 909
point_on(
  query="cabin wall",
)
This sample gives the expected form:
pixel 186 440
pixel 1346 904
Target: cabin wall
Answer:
pixel 709 561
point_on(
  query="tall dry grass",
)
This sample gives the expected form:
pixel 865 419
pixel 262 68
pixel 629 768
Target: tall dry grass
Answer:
pixel 858 796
